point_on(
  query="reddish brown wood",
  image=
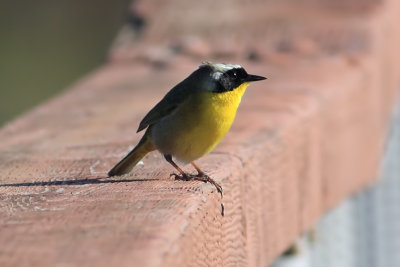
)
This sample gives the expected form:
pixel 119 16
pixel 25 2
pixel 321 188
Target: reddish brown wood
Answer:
pixel 302 142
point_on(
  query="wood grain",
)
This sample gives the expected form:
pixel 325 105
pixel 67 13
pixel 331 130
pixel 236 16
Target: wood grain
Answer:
pixel 303 141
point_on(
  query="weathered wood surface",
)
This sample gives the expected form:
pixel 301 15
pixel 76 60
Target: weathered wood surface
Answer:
pixel 303 141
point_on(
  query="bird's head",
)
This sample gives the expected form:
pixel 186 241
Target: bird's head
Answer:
pixel 222 77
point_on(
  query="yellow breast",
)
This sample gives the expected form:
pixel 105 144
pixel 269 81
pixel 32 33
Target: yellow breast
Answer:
pixel 206 117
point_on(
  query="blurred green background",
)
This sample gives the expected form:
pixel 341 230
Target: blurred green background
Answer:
pixel 47 45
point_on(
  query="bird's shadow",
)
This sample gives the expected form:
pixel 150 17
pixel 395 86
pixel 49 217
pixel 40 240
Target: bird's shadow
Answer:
pixel 100 180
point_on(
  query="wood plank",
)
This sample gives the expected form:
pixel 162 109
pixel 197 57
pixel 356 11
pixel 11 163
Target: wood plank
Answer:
pixel 303 141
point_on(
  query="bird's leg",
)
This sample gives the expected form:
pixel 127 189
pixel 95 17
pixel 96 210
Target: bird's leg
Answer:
pixel 200 173
pixel 205 178
pixel 200 176
pixel 183 176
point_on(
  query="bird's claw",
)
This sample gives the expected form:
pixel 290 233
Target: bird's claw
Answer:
pixel 180 177
pixel 201 176
pixel 198 177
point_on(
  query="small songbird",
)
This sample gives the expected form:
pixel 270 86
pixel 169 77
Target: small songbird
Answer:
pixel 191 119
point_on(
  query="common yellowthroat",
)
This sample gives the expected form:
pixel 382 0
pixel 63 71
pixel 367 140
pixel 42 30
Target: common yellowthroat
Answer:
pixel 191 119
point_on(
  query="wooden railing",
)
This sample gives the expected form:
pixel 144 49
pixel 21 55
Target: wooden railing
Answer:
pixel 303 141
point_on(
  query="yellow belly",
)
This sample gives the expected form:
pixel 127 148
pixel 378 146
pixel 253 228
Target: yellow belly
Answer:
pixel 200 124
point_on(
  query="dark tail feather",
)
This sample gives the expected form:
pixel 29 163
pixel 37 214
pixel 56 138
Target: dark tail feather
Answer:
pixel 129 161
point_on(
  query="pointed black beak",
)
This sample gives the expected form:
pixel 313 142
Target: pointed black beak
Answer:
pixel 253 78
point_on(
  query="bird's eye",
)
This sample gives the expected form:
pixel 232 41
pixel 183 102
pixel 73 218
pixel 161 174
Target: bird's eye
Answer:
pixel 234 74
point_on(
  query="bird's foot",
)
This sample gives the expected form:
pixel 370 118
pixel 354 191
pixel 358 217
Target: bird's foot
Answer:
pixel 182 177
pixel 201 176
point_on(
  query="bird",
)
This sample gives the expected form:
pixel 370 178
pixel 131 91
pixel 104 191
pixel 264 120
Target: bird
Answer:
pixel 191 119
